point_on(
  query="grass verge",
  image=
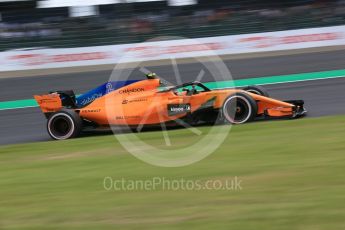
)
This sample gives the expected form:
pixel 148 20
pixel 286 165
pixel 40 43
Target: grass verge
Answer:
pixel 291 172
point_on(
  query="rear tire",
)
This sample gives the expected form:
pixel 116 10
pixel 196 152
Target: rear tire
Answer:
pixel 256 89
pixel 64 124
pixel 239 108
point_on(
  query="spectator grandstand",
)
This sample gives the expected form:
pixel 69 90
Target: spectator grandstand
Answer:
pixel 29 27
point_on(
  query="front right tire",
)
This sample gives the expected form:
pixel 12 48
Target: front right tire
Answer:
pixel 257 89
pixel 64 124
pixel 239 108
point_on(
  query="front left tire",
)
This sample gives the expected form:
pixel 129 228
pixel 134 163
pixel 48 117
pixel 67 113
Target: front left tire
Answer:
pixel 64 124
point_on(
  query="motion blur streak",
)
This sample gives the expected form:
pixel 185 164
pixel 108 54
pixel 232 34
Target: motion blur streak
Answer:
pixel 323 97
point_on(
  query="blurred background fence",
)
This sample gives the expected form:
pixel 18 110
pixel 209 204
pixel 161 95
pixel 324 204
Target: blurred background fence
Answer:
pixel 25 25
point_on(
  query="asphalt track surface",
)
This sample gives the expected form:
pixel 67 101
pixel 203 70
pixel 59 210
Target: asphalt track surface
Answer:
pixel 322 97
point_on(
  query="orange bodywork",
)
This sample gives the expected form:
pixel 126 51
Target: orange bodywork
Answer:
pixel 144 103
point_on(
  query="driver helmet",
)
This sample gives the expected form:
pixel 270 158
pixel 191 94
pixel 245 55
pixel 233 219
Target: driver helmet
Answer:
pixel 151 76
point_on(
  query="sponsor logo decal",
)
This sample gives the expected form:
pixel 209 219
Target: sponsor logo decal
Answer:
pixel 91 98
pixel 127 117
pixel 129 91
pixel 47 101
pixel 134 100
pixel 109 88
pixel 42 58
pixel 91 110
pixel 270 41
pixel 175 109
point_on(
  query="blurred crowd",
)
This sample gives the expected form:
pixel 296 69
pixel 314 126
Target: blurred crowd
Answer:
pixel 27 30
pixel 126 23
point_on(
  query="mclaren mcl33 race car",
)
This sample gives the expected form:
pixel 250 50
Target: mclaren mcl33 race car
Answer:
pixel 138 103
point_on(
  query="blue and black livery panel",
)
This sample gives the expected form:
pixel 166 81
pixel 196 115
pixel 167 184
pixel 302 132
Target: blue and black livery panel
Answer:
pixel 100 91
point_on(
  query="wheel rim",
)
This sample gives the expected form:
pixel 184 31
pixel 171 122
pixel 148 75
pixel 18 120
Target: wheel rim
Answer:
pixel 237 109
pixel 60 126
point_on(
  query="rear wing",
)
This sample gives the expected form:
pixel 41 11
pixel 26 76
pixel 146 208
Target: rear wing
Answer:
pixel 49 103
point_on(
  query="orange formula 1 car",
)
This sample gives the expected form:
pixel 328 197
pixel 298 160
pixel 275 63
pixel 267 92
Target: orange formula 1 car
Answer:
pixel 144 103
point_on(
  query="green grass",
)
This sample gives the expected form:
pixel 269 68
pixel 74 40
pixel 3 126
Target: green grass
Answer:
pixel 292 176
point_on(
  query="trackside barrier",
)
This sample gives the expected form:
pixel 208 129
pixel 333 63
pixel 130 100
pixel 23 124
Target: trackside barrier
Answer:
pixel 29 59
